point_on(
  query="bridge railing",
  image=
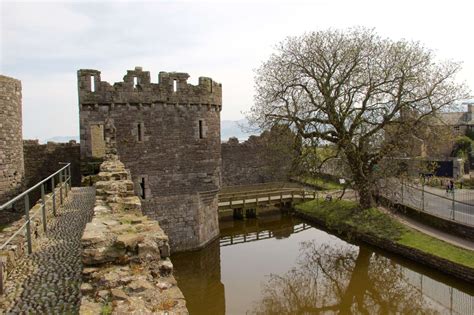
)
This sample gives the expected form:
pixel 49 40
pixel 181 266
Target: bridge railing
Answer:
pixel 61 179
pixel 264 234
pixel 254 193
pixel 228 200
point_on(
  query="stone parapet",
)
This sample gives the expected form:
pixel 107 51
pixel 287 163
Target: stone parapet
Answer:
pixel 137 90
pixel 126 261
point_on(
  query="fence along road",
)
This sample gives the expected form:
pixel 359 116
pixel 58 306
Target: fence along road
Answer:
pixel 455 206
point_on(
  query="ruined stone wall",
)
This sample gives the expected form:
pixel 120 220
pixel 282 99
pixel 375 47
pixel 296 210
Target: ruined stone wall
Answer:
pixel 125 255
pixel 168 135
pixel 42 160
pixel 11 141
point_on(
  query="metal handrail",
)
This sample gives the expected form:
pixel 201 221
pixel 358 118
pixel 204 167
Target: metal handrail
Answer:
pixel 8 203
pixel 64 183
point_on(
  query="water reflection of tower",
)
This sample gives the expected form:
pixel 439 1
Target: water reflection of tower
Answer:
pixel 201 284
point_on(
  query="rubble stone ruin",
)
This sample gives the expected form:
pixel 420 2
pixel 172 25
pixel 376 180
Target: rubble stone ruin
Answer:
pixel 168 135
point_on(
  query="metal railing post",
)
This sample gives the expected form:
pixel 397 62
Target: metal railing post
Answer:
pixel 454 210
pixel 43 202
pixel 66 178
pixel 402 193
pixel 423 195
pixel 53 195
pixel 61 187
pixel 28 226
pixel 69 176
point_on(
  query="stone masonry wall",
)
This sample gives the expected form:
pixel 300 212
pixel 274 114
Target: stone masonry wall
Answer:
pixel 127 269
pixel 168 135
pixel 242 163
pixel 42 160
pixel 261 159
pixel 11 145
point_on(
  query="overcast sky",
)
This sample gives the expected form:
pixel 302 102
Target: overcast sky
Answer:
pixel 44 43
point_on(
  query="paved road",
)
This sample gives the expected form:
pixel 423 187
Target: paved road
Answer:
pixel 48 281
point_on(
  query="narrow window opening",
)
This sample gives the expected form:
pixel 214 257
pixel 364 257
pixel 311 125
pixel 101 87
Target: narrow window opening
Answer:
pixel 92 83
pixel 142 186
pixel 135 82
pixel 201 134
pixel 175 85
pixel 139 131
pixel 211 86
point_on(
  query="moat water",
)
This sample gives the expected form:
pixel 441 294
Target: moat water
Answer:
pixel 278 264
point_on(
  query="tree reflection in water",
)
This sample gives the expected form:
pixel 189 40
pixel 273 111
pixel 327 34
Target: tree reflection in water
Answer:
pixel 341 280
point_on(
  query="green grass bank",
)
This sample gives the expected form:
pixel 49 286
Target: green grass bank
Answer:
pixel 377 228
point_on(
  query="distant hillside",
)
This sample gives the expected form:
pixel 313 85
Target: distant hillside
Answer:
pixel 236 128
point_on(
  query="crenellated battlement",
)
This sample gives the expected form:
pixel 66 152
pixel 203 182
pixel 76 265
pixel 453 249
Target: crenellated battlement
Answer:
pixel 137 90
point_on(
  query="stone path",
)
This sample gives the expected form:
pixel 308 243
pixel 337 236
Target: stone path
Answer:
pixel 48 281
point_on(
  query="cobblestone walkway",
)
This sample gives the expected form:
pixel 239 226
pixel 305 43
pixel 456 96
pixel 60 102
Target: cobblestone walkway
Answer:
pixel 48 281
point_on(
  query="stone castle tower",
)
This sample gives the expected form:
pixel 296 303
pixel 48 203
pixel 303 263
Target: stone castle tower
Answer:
pixel 11 141
pixel 168 135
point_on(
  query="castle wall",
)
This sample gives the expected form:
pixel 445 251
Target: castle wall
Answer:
pixel 242 163
pixel 261 159
pixel 11 142
pixel 42 160
pixel 168 135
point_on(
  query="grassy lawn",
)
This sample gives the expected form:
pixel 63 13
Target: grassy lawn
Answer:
pixel 322 183
pixel 339 213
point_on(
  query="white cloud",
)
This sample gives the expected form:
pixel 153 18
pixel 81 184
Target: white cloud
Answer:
pixel 43 44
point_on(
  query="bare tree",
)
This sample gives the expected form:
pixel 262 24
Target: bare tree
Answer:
pixel 347 88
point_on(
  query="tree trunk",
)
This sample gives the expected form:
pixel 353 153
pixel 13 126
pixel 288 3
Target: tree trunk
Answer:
pixel 361 173
pixel 358 284
pixel 366 199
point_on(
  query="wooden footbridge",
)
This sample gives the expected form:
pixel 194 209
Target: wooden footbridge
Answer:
pixel 247 203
